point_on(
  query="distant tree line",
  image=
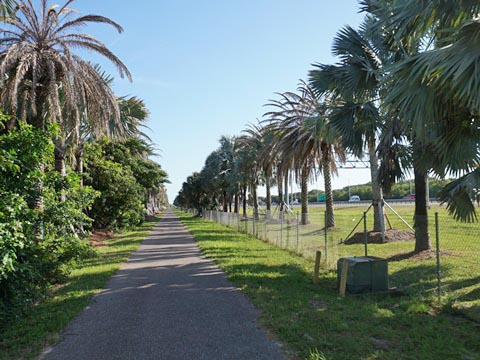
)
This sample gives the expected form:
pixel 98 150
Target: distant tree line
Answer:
pixel 364 191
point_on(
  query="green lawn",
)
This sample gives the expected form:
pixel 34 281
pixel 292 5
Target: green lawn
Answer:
pixel 25 337
pixel 459 244
pixel 314 321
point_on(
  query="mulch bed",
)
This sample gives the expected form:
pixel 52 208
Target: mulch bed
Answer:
pixel 374 237
pixel 98 238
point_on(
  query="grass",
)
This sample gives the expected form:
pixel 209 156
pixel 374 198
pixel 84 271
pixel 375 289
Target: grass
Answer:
pixel 315 323
pixel 459 245
pixel 25 337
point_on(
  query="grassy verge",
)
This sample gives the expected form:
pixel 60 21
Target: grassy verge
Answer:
pixel 315 323
pixel 25 337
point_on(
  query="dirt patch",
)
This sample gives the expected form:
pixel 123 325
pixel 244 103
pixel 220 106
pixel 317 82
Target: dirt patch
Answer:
pixel 374 237
pixel 98 238
pixel 412 255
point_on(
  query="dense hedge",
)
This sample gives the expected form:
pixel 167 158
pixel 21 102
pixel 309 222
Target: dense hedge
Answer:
pixel 45 217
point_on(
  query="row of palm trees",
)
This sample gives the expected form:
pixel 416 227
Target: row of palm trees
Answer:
pixel 44 81
pixel 404 92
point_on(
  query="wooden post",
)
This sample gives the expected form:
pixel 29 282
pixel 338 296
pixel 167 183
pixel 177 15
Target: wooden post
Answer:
pixel 343 278
pixel 317 267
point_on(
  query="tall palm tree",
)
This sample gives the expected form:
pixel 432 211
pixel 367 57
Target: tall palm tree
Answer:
pixel 305 141
pixel 248 168
pixel 353 86
pixel 43 80
pixel 262 140
pixel 436 90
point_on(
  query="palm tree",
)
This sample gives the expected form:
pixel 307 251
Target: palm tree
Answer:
pixel 43 80
pixel 436 91
pixel 305 141
pixel 262 140
pixel 353 86
pixel 248 169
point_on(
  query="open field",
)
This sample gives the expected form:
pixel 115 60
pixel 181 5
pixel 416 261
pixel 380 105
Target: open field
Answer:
pixel 459 245
pixel 315 322
pixel 24 337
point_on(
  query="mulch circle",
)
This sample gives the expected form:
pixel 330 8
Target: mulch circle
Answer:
pixel 375 237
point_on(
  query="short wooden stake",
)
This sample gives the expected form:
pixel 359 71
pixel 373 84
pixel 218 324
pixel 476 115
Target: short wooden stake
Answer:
pixel 317 267
pixel 343 278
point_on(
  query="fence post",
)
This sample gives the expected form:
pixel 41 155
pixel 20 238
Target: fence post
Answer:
pixel 365 233
pixel 281 229
pixel 253 225
pixel 437 238
pixel 326 240
pixel 297 232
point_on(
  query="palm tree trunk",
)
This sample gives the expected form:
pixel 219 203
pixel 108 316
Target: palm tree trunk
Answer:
pixel 268 200
pixel 225 202
pixel 422 235
pixel 377 197
pixel 79 164
pixel 255 200
pixel 280 191
pixel 327 176
pixel 304 195
pixel 61 168
pixel 244 198
pixel 235 209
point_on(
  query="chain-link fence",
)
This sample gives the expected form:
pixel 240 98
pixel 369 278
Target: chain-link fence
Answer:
pixel 453 269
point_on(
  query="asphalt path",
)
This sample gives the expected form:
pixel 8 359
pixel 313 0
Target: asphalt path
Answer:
pixel 167 302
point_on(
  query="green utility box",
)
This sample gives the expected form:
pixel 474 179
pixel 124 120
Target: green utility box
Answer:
pixel 365 274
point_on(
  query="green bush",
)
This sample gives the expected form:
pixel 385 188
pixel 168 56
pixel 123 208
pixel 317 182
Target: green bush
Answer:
pixel 37 246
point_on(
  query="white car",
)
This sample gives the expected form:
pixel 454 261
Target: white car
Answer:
pixel 354 198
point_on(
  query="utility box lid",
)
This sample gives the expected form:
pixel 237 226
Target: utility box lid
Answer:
pixel 365 274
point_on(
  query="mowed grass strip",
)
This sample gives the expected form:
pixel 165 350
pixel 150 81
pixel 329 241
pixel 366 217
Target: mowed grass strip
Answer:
pixel 25 337
pixel 314 322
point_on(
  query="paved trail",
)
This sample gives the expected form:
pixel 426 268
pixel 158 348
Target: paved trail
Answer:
pixel 167 302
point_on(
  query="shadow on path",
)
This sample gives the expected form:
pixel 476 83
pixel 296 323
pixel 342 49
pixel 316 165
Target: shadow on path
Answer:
pixel 167 302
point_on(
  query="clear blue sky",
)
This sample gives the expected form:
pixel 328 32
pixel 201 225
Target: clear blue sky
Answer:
pixel 206 68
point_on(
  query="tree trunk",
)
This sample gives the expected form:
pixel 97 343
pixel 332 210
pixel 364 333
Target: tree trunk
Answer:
pixel 327 176
pixel 286 189
pixel 304 195
pixel 422 235
pixel 377 197
pixel 235 209
pixel 225 202
pixel 79 164
pixel 255 201
pixel 268 199
pixel 60 168
pixel 280 192
pixel 244 196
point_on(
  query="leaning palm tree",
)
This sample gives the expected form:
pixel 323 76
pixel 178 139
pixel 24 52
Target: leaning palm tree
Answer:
pixel 43 80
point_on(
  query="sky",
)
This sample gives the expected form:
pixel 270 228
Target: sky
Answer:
pixel 205 68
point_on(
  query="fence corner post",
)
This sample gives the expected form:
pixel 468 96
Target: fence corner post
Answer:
pixel 437 241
